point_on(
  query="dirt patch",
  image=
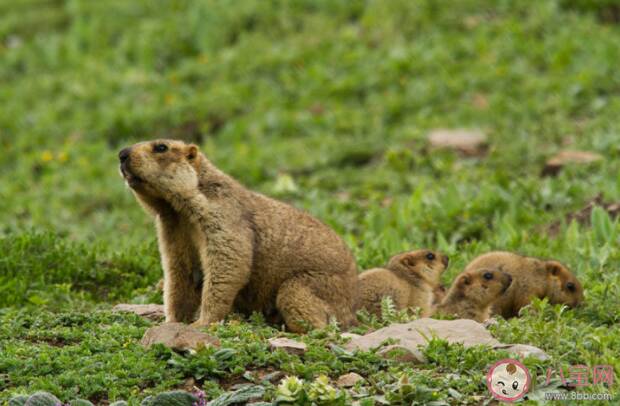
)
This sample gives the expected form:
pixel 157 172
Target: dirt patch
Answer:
pixel 554 165
pixel 583 215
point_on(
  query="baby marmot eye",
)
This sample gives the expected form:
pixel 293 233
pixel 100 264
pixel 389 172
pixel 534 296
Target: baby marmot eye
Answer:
pixel 430 256
pixel 160 148
pixel 570 286
pixel 488 276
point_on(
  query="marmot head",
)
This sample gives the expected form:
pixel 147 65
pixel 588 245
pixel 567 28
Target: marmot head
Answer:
pixel 420 264
pixel 158 168
pixel 563 286
pixel 482 286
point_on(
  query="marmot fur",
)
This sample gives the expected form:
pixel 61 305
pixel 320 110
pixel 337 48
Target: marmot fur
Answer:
pixel 224 247
pixel 408 278
pixel 532 277
pixel 473 292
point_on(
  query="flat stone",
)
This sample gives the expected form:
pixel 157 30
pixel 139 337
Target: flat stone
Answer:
pixel 349 380
pixel 178 336
pixel 569 157
pixel 467 142
pixel 412 336
pixel 488 323
pixel 149 311
pixel 523 351
pixel 288 345
pixel 402 354
pixel 350 335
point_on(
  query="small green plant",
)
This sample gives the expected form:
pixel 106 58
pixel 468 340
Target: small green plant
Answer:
pixel 293 390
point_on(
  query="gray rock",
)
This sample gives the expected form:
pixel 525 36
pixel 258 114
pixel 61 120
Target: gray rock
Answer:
pixel 569 157
pixel 350 335
pixel 149 311
pixel 411 336
pixel 402 354
pixel 523 351
pixel 288 345
pixel 349 380
pixel 466 142
pixel 177 336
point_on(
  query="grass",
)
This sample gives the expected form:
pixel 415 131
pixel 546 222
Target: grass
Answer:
pixel 326 105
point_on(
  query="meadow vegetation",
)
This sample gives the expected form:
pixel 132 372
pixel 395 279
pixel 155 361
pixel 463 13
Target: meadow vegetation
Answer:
pixel 326 105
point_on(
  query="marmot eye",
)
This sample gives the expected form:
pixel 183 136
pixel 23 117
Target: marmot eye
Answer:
pixel 488 276
pixel 570 286
pixel 430 256
pixel 160 148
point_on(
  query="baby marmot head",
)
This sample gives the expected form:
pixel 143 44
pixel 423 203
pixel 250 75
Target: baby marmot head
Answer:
pixel 481 286
pixel 159 167
pixel 420 264
pixel 563 287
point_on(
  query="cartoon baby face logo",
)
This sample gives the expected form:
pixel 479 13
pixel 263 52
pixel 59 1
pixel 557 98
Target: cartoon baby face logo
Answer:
pixel 508 380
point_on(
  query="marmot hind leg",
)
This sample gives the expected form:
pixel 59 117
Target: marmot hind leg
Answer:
pixel 300 307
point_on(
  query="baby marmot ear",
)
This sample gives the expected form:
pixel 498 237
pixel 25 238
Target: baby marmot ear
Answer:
pixel 192 151
pixel 464 280
pixel 408 260
pixel 553 267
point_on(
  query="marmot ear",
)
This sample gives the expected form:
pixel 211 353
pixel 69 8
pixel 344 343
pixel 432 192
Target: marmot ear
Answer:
pixel 553 267
pixel 408 260
pixel 192 151
pixel 464 280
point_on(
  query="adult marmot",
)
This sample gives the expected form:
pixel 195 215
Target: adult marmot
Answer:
pixel 532 277
pixel 409 279
pixel 224 247
pixel 473 292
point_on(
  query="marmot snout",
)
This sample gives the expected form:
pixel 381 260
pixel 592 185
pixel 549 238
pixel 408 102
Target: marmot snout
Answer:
pixel 409 278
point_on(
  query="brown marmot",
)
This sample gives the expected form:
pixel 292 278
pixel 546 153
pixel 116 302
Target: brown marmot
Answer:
pixel 439 293
pixel 473 292
pixel 532 277
pixel 224 247
pixel 409 279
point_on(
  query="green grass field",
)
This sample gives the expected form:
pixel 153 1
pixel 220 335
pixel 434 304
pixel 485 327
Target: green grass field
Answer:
pixel 323 104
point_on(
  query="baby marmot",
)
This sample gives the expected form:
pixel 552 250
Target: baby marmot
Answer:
pixel 473 292
pixel 409 279
pixel 532 277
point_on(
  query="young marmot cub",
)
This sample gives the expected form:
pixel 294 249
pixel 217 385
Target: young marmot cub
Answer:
pixel 409 279
pixel 473 292
pixel 224 247
pixel 532 277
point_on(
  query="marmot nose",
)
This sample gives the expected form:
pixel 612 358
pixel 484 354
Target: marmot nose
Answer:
pixel 124 154
pixel 445 260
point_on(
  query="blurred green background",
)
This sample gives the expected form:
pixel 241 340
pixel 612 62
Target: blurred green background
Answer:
pixel 325 104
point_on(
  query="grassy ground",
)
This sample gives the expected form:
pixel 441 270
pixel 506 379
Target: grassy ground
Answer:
pixel 324 104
